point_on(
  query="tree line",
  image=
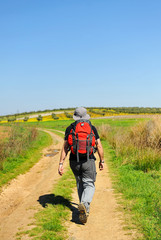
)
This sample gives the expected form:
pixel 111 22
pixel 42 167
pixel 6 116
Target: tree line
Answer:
pixel 101 111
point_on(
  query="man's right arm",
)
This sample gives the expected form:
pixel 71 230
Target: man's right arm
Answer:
pixel 64 151
pixel 63 155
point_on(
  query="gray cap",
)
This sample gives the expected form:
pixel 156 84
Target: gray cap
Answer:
pixel 80 113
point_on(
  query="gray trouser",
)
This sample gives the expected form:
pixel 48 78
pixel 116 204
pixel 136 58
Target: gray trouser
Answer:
pixel 85 174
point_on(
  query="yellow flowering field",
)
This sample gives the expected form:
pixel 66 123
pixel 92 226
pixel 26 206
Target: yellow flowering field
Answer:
pixel 94 113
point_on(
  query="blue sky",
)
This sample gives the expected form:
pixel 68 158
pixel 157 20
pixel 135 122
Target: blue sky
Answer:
pixel 68 53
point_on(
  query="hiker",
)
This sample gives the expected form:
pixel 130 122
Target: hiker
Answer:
pixel 81 138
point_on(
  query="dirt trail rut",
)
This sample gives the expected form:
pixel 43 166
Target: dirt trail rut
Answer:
pixel 18 203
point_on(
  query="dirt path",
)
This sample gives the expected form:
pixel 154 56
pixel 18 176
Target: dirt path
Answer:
pixel 18 203
pixel 105 222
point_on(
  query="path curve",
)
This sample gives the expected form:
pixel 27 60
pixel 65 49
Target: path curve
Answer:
pixel 18 200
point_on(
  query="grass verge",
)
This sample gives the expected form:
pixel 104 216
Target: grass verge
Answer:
pixel 140 194
pixel 23 163
pixel 49 222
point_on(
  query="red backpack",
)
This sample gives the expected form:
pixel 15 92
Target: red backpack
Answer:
pixel 82 139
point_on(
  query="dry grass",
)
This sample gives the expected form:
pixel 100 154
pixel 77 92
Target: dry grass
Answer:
pixel 18 140
pixel 147 134
pixel 140 145
pixel 104 131
pixel 4 132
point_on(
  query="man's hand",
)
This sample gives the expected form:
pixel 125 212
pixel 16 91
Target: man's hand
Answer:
pixel 100 153
pixel 60 169
pixel 63 155
pixel 101 165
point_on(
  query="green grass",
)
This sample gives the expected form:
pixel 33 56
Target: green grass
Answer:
pixel 58 133
pixel 49 222
pixel 140 193
pixel 117 122
pixel 63 124
pixel 21 164
pixel 57 124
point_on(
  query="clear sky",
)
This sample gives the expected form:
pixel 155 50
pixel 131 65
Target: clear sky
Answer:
pixel 69 53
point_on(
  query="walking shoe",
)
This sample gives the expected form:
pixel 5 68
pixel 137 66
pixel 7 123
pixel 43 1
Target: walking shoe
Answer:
pixel 87 205
pixel 82 213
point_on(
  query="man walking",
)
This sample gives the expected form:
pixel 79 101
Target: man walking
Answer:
pixel 81 137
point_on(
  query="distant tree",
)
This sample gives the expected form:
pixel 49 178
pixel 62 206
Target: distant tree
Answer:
pixel 39 118
pixel 11 119
pixel 96 112
pixel 26 119
pixel 68 115
pixel 54 116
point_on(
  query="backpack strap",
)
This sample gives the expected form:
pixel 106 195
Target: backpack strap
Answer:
pixel 82 120
pixel 88 146
pixel 77 147
pixel 74 140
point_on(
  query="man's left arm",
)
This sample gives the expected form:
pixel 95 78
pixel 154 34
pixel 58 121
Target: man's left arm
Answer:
pixel 100 153
pixel 99 149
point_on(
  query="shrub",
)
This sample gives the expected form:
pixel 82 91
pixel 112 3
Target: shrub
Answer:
pixel 39 118
pixel 68 115
pixel 26 119
pixel 11 119
pixel 97 112
pixel 54 116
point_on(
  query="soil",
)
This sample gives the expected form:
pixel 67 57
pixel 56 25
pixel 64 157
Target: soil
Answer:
pixel 19 202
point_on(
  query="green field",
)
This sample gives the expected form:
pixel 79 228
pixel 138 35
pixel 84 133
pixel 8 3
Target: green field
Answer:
pixel 62 124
